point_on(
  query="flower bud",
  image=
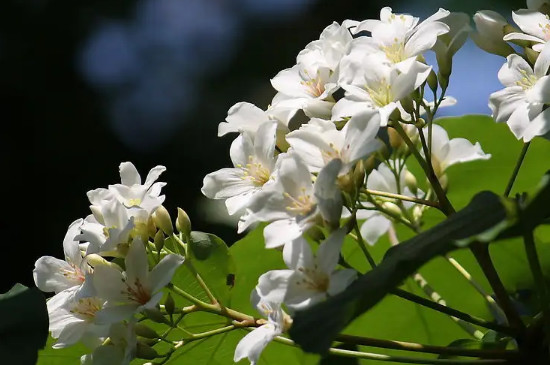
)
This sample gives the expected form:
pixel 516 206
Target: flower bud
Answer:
pixel 183 223
pixel 407 104
pixel 145 331
pixel 392 208
pixel 96 260
pixel 144 351
pixel 491 27
pixel 156 316
pixel 432 81
pixel 396 142
pixel 410 181
pixel 162 219
pixel 169 304
pixel 359 173
pixel 159 240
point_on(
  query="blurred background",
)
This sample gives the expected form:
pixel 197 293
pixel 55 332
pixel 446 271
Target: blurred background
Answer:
pixel 86 85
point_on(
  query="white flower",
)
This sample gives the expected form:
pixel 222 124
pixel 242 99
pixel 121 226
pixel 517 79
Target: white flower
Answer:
pixel 490 30
pixel 318 142
pixel 521 103
pixel 111 237
pixel 72 317
pixel 135 289
pixel 310 279
pixel 120 350
pixel 131 193
pixel 254 161
pixel 293 203
pixel 55 275
pixel 400 36
pixel 246 117
pixel 535 26
pixel 252 345
pixel 371 83
pixel 328 50
pixel 447 152
pixel 306 88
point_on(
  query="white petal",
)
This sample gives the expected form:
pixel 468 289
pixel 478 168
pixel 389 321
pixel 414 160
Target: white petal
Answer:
pixel 329 251
pixel 71 244
pixel 153 175
pixel 114 314
pixel 340 280
pixel 137 266
pixel 298 255
pixel 543 61
pixel 108 283
pixel 539 126
pixel 360 134
pixel 281 232
pixel 327 193
pixel 462 150
pixel 252 345
pixel 129 175
pixel 242 116
pixel 54 275
pixel 514 70
pixel 226 183
pixel 272 286
pixel 374 227
pixel 163 271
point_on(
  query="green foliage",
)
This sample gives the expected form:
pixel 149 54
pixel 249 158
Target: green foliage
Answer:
pixel 23 324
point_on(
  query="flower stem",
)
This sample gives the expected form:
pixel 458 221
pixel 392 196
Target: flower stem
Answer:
pixel 444 203
pixel 516 169
pixel 401 197
pixel 401 359
pixel 497 311
pixel 540 283
pixel 417 347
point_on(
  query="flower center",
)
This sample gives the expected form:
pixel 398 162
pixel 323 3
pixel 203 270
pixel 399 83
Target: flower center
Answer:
pixel 315 87
pixel 74 275
pixel 301 205
pixel 254 171
pixel 137 292
pixel 86 308
pixel 313 279
pixel 380 93
pixel 330 154
pixel 527 81
pixel 395 52
pixel 133 202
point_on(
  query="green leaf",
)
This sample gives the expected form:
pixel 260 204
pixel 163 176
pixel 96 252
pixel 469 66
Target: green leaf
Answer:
pixel 210 256
pixel 67 355
pixel 314 329
pixel 23 324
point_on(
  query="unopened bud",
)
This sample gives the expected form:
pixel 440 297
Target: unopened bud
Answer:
pixel 346 182
pixel 146 352
pixel 392 208
pixel 95 260
pixel 316 234
pixel 410 181
pixel 151 228
pixel 169 304
pixel 417 212
pixel 156 316
pixel 162 219
pixel 395 139
pixel 432 81
pixel 145 331
pixel 407 104
pixel 491 28
pixel 183 223
pixel 159 240
pixel 359 173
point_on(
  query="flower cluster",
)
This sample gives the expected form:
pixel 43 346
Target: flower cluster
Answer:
pixel 331 149
pixel 105 279
pixel 524 101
